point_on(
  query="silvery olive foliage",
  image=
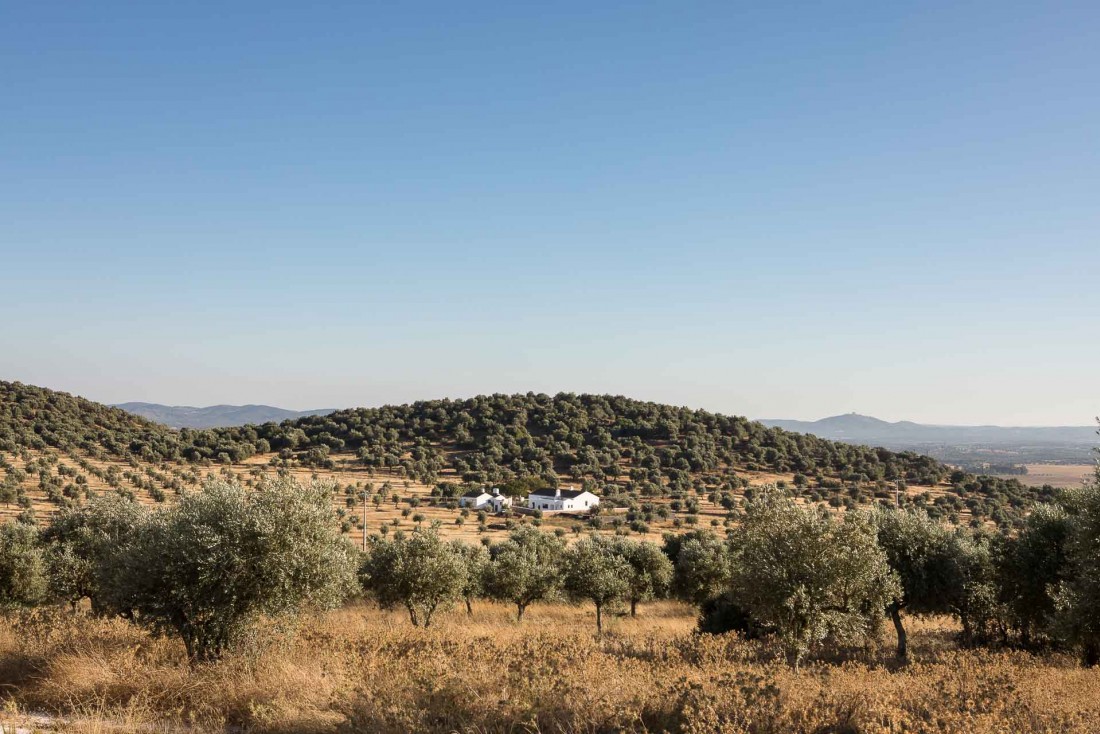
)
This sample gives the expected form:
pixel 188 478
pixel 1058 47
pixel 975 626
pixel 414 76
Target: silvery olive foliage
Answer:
pixel 595 569
pixel 80 542
pixel 921 552
pixel 419 571
pixel 810 577
pixel 976 594
pixel 649 574
pixel 526 568
pixel 218 560
pixel 476 559
pixel 22 566
pixel 1077 599
pixel 702 565
pixel 1034 565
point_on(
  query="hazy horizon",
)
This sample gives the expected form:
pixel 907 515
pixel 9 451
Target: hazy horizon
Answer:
pixel 766 211
pixel 285 406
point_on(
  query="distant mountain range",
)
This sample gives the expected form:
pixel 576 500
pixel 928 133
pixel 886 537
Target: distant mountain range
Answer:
pixel 957 444
pixel 855 428
pixel 215 416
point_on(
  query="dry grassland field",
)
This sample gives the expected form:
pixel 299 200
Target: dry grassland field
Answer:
pixel 361 669
pixel 1058 475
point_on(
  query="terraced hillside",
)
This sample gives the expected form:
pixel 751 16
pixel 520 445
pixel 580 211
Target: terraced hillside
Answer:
pixel 658 467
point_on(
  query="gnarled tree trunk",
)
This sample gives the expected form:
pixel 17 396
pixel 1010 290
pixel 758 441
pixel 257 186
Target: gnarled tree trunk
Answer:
pixel 903 637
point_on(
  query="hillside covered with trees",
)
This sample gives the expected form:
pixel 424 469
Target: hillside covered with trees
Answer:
pixel 624 449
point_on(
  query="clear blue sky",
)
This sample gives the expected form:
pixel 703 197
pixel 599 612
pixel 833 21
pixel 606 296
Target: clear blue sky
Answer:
pixel 769 209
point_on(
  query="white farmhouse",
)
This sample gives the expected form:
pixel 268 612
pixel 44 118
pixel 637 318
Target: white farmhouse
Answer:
pixel 479 499
pixel 562 500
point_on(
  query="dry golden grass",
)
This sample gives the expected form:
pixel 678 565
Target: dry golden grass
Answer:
pixel 1058 475
pixel 364 670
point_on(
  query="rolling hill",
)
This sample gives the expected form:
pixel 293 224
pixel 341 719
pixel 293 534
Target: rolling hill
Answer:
pixel 214 416
pixel 996 449
pixel 855 428
pixel 663 467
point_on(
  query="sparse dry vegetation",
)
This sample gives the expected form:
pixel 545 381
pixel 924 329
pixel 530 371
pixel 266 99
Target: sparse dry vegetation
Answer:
pixel 361 669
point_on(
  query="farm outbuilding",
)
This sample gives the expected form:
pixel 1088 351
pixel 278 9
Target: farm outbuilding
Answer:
pixel 480 499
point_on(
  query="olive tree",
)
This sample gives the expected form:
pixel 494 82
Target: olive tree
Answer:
pixel 1033 567
pixel 977 595
pixel 22 566
pixel 419 571
pixel 525 568
pixel 81 542
pixel 919 551
pixel 701 565
pixel 1078 597
pixel 214 563
pixel 649 573
pixel 595 570
pixel 810 577
pixel 476 559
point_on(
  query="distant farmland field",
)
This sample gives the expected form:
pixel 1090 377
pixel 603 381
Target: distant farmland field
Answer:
pixel 1058 475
